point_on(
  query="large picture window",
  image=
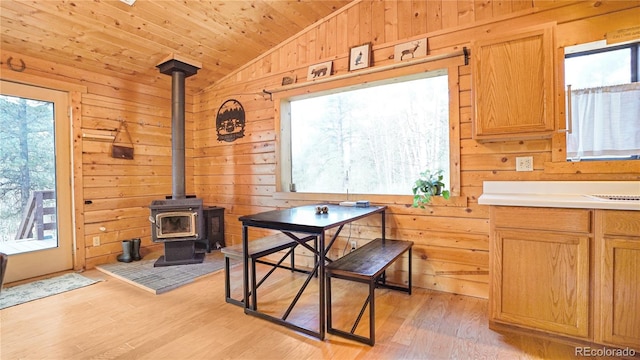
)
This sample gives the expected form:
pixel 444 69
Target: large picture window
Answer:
pixel 373 139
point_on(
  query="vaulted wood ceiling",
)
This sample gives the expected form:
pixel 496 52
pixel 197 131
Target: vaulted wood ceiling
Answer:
pixel 110 37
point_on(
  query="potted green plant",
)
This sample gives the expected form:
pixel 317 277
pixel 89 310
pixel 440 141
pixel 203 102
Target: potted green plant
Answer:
pixel 428 184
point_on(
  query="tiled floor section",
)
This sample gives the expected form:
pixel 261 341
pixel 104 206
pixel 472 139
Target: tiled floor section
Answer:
pixel 162 279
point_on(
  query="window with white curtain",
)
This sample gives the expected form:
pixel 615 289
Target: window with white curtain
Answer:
pixel 604 113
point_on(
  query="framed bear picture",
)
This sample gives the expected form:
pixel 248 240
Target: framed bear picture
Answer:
pixel 318 71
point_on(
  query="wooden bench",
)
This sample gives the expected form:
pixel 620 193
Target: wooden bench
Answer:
pixel 367 264
pixel 257 249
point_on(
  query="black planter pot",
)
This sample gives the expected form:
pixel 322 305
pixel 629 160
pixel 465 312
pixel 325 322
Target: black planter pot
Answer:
pixel 434 190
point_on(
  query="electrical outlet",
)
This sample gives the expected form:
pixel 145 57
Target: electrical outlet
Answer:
pixel 524 163
pixel 96 241
pixel 354 245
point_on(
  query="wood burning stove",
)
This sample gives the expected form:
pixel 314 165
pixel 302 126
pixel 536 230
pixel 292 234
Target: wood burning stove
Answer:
pixel 178 223
pixel 177 220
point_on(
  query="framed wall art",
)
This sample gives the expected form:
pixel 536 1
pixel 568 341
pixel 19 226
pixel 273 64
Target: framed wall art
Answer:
pixel 360 57
pixel 290 79
pixel 319 70
pixel 410 50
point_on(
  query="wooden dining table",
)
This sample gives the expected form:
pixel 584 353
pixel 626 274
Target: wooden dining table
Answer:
pixel 304 220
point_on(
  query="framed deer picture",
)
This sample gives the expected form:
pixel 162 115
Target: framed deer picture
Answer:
pixel 319 70
pixel 410 50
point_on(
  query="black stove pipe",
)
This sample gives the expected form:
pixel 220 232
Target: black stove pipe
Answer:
pixel 178 190
pixel 179 71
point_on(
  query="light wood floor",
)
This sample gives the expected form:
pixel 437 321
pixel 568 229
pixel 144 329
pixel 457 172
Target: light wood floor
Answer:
pixel 116 320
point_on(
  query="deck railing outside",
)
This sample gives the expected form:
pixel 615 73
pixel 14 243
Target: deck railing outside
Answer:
pixel 35 219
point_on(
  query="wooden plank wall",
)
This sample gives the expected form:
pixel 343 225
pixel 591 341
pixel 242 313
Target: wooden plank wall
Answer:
pixel 119 190
pixel 112 195
pixel 451 251
pixel 452 241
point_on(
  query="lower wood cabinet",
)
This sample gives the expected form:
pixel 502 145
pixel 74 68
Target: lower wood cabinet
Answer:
pixel 540 269
pixel 617 295
pixel 573 273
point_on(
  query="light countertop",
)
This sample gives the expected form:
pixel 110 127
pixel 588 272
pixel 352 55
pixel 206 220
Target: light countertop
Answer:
pixel 565 194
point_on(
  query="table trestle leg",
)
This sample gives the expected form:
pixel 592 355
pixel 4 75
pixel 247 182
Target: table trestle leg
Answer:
pixel 299 294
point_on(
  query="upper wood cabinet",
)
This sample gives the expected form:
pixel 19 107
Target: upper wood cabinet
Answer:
pixel 513 85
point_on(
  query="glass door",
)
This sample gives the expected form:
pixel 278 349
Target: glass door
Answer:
pixel 36 228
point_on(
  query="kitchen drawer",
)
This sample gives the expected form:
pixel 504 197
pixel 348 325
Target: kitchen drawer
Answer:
pixel 551 219
pixel 615 222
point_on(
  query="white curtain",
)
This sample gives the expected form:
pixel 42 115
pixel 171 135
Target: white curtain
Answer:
pixel 606 121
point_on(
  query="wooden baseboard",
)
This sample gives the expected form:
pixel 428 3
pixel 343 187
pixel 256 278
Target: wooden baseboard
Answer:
pixel 566 340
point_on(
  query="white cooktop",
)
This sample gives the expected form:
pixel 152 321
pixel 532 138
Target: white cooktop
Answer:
pixel 617 195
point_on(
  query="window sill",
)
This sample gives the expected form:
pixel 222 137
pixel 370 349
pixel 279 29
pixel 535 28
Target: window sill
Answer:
pixel 406 200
